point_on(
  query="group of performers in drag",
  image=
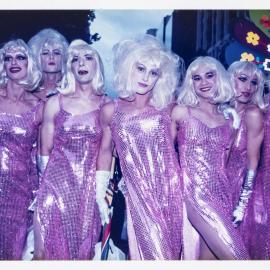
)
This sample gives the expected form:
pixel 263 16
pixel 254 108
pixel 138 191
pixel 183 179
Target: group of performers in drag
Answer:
pixel 194 153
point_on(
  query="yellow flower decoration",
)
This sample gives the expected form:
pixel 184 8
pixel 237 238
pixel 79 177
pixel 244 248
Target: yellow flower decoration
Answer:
pixel 253 38
pixel 247 57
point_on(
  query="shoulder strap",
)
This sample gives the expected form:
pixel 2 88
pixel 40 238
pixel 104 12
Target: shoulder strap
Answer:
pixel 60 98
pixel 116 105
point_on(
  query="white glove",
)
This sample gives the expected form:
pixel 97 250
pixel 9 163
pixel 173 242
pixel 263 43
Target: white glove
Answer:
pixel 42 162
pixel 227 111
pixel 239 212
pixel 102 182
pixel 33 204
pixel 122 186
pixel 235 117
pixel 28 250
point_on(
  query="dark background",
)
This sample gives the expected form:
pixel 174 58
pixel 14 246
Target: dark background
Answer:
pixel 26 23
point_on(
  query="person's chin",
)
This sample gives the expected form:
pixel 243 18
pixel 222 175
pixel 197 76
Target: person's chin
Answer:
pixel 142 92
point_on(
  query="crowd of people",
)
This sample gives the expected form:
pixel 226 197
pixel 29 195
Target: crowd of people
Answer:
pixel 194 153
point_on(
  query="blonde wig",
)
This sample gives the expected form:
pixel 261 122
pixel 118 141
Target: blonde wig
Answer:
pixel 68 81
pixel 48 37
pixel 224 91
pixel 146 50
pixel 250 69
pixel 33 73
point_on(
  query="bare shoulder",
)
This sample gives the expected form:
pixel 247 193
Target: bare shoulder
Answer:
pixel 107 111
pixel 253 113
pixel 254 117
pixel 107 99
pixel 3 92
pixel 31 99
pixel 52 106
pixel 179 113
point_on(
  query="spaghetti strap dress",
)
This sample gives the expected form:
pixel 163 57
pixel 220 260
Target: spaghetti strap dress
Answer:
pixel 67 212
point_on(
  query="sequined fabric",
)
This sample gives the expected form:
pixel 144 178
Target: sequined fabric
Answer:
pixel 259 212
pixel 237 162
pixel 17 135
pixel 33 175
pixel 202 154
pixel 152 181
pixel 67 211
pixel 236 171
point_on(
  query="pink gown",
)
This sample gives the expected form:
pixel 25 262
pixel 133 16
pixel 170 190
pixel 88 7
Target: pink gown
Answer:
pixel 259 210
pixel 237 163
pixel 202 154
pixel 67 209
pixel 153 189
pixel 18 133
pixel 236 171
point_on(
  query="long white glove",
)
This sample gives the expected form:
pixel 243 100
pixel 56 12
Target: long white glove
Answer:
pixel 102 182
pixel 42 162
pixel 227 111
pixel 239 212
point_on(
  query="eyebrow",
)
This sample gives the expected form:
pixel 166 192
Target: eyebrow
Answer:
pixel 248 76
pixel 16 53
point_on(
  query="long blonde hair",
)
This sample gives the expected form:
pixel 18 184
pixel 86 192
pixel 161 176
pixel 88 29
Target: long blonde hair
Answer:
pixel 248 67
pixel 33 73
pixel 68 81
pixel 146 49
pixel 224 91
pixel 48 36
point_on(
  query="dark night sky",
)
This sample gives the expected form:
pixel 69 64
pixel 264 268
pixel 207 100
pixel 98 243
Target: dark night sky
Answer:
pixel 26 23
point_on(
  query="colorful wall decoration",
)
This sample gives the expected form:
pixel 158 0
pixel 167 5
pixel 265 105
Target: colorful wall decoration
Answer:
pixel 252 40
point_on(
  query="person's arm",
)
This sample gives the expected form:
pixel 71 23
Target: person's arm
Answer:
pixel 255 134
pixel 174 123
pixel 41 160
pixel 179 113
pixel 104 161
pixel 47 128
pixel 105 151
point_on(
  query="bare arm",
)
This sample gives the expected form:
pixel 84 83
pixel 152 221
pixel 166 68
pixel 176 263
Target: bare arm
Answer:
pixel 104 161
pixel 39 121
pixel 173 124
pixel 178 114
pixel 105 152
pixel 255 134
pixel 51 108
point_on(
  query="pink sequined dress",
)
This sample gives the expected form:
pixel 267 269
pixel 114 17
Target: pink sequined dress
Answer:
pixel 259 211
pixel 237 162
pixel 236 171
pixel 67 210
pixel 18 133
pixel 153 189
pixel 202 154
